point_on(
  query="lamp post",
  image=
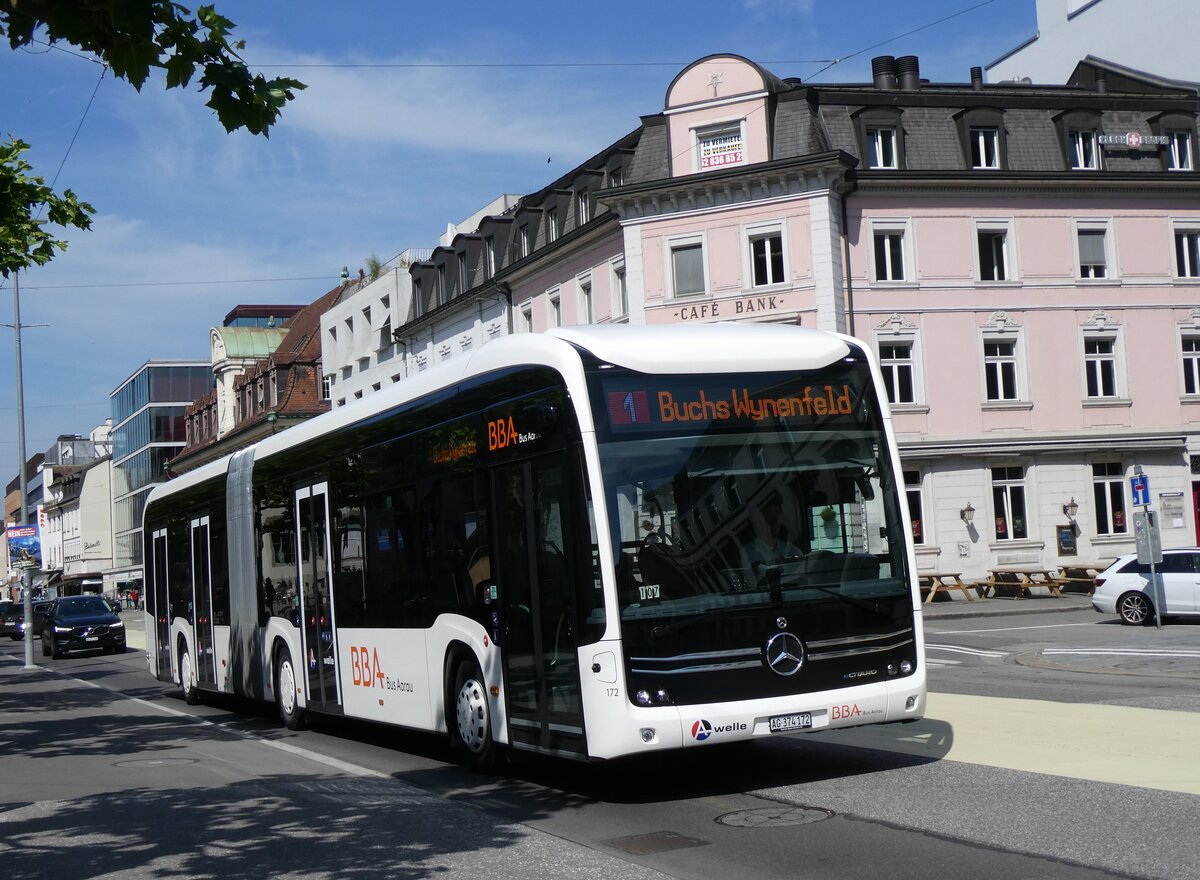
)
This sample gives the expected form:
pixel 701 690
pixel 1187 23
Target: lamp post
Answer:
pixel 25 570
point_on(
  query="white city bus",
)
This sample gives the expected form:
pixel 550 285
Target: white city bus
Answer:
pixel 594 542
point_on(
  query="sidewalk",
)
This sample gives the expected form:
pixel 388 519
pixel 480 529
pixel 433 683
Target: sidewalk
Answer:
pixel 1039 603
pixel 96 783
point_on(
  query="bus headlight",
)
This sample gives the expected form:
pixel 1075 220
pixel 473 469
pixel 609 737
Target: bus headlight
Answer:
pixel 643 698
pixel 649 734
pixel 906 667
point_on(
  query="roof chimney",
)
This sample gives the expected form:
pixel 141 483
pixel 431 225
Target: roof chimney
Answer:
pixel 977 78
pixel 883 71
pixel 908 68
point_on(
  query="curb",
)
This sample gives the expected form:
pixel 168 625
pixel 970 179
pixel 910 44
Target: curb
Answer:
pixel 1022 606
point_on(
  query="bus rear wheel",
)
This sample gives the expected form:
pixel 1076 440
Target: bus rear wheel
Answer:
pixel 290 711
pixel 472 721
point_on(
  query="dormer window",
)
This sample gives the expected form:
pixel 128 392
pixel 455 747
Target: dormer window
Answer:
pixel 985 148
pixel 1085 151
pixel 552 224
pixel 719 146
pixel 1078 133
pixel 1179 151
pixel 880 137
pixel 583 207
pixel 881 147
pixel 981 133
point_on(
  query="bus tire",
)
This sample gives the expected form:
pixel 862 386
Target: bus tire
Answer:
pixel 290 711
pixel 471 721
pixel 191 693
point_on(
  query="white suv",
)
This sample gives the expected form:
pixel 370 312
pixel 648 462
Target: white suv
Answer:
pixel 1124 587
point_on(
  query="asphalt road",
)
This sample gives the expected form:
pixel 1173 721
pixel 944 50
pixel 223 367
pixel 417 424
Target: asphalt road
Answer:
pixel 1042 756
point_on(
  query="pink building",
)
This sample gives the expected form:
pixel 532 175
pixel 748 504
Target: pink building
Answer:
pixel 1025 260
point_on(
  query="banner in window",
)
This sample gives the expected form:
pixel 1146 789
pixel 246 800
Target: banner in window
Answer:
pixel 721 149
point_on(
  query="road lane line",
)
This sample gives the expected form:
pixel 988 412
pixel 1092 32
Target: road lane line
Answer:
pixel 963 649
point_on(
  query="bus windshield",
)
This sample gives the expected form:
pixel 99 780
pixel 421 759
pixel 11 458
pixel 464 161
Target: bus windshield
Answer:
pixel 748 490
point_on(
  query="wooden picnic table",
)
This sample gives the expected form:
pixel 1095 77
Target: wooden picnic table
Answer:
pixel 1080 574
pixel 941 581
pixel 1018 579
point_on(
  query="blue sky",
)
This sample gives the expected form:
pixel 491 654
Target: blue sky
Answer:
pixel 395 137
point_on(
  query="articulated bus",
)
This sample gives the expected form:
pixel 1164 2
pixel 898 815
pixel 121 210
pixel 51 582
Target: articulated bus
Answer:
pixel 595 542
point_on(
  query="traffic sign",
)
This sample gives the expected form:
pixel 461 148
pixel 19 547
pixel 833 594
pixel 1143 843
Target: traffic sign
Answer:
pixel 1140 484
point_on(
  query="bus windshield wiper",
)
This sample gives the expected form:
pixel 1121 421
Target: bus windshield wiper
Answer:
pixel 663 630
pixel 849 600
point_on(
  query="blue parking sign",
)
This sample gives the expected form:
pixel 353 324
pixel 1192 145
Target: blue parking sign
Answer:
pixel 1140 484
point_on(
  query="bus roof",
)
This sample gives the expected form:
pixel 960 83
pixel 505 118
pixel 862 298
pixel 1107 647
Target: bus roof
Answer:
pixel 674 348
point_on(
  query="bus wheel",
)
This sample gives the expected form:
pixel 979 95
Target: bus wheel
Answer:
pixel 290 710
pixel 191 693
pixel 472 723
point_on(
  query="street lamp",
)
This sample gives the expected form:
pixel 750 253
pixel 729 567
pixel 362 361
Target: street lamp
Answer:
pixel 1070 509
pixel 967 514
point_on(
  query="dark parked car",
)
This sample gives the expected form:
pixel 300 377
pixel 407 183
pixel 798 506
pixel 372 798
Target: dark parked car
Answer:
pixel 81 623
pixel 12 621
pixel 6 628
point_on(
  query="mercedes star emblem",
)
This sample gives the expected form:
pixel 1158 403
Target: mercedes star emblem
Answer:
pixel 784 653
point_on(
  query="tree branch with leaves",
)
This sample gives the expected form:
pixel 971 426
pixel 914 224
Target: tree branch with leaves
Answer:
pixel 132 38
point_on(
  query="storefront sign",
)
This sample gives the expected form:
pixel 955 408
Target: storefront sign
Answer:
pixel 1133 140
pixel 732 308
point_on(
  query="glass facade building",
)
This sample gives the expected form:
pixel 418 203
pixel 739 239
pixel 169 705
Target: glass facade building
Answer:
pixel 148 431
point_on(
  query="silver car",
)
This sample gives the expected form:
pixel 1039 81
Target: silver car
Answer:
pixel 1124 587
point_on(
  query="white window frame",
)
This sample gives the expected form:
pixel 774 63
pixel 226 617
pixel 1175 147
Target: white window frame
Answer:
pixel 620 288
pixel 1017 359
pixel 673 243
pixel 1092 227
pixel 418 298
pixel 524 242
pixel 1104 486
pixel 874 144
pixel 1007 484
pixel 443 294
pixel 1186 260
pixel 527 317
pixel 1081 140
pixel 918 489
pixel 1007 250
pixel 587 313
pixel 554 315
pixel 1091 361
pixel 583 207
pixel 722 128
pixel 489 255
pixel 463 286
pixel 913 363
pixel 1189 363
pixel 901 228
pixel 1179 150
pixel 764 232
pixel 552 225
pixel 979 136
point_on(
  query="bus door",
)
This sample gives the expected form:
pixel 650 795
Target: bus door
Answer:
pixel 538 604
pixel 161 603
pixel 206 668
pixel 316 597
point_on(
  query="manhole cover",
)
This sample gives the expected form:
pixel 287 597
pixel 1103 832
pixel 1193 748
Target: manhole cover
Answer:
pixel 774 817
pixel 155 762
pixel 659 841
